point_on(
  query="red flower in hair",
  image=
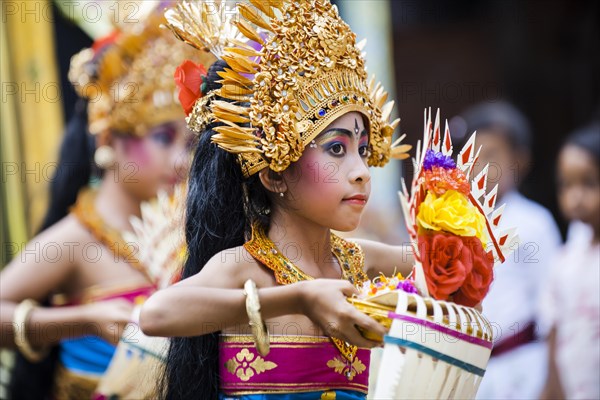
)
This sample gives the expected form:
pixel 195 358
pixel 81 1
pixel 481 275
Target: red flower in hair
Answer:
pixel 189 78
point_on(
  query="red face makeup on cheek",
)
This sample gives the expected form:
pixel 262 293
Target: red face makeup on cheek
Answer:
pixel 317 177
pixel 137 151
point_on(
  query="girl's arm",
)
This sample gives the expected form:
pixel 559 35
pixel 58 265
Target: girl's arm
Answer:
pixel 381 258
pixel 209 301
pixel 46 263
pixel 553 388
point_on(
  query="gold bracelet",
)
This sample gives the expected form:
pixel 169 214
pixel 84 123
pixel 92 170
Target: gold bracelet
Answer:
pixel 259 329
pixel 20 318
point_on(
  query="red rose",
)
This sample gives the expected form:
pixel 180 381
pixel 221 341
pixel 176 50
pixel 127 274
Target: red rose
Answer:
pixel 478 282
pixel 188 77
pixel 446 263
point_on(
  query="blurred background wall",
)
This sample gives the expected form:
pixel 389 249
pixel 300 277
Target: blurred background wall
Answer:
pixel 540 55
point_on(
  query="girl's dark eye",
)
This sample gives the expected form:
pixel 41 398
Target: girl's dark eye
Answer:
pixel 337 149
pixel 363 151
pixel 163 136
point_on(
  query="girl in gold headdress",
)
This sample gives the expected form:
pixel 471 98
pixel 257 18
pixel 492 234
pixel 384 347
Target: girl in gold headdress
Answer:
pixel 80 258
pixel 287 126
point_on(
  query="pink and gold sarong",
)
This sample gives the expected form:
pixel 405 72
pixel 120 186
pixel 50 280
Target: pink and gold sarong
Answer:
pixel 294 364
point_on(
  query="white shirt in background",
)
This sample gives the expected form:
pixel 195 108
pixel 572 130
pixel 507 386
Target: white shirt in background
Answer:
pixel 512 301
pixel 572 305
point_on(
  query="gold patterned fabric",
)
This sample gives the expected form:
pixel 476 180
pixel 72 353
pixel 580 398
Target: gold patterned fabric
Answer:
pixel 295 364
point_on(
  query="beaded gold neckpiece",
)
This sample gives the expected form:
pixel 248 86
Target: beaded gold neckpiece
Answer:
pixel 349 256
pixel 85 211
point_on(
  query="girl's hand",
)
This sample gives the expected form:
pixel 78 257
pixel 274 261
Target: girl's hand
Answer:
pixel 107 319
pixel 324 302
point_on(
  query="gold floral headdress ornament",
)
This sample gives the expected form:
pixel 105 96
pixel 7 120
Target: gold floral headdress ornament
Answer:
pixel 127 77
pixel 293 68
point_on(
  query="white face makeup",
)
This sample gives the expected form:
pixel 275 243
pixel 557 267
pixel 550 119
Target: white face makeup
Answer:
pixel 330 183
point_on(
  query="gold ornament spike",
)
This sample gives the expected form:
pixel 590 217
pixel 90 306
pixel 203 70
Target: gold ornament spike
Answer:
pixel 248 52
pixel 361 45
pixel 202 26
pixel 229 107
pixel 241 44
pixel 371 85
pixel 382 98
pixel 252 15
pixel 235 89
pixel 182 22
pixel 233 96
pixel 378 95
pixel 225 116
pixel 231 75
pixel 395 124
pixel 386 111
pixel 235 132
pixel 248 31
pixel 240 64
pixel 401 152
pixel 263 6
pixel 234 145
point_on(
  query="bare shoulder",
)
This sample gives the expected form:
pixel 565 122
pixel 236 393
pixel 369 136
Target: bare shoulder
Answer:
pixel 230 268
pixel 45 262
pixel 68 229
pixel 67 233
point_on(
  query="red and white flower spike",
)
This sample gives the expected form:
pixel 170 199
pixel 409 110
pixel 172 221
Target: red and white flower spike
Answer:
pixel 437 137
pixel 502 242
pixel 466 156
pixel 479 184
pixel 447 144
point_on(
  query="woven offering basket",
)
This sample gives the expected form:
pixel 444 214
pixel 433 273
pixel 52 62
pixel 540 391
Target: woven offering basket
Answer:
pixel 433 350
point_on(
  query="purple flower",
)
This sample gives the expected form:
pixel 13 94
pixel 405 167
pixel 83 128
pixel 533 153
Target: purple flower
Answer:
pixel 437 159
pixel 407 286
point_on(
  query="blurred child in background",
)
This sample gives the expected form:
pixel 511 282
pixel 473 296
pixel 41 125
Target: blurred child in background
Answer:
pixel 571 302
pixel 517 367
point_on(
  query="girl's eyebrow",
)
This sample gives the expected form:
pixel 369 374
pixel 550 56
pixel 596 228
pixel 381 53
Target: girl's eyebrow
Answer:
pixel 345 132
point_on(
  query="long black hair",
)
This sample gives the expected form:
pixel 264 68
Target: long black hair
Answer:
pixel 34 381
pixel 221 206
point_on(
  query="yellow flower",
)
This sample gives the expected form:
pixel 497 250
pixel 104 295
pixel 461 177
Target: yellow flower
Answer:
pixel 452 213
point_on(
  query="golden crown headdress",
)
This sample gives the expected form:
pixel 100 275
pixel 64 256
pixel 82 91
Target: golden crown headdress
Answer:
pixel 128 77
pixel 294 67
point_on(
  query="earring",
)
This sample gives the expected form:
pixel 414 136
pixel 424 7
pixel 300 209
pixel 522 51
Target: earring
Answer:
pixel 281 194
pixel 313 145
pixel 104 156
